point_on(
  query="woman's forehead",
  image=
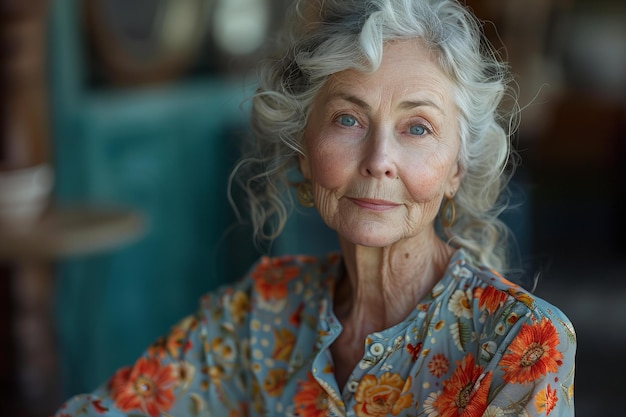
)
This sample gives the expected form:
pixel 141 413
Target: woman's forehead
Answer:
pixel 408 70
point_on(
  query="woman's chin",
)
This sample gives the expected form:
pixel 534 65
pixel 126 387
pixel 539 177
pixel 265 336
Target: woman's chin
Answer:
pixel 371 237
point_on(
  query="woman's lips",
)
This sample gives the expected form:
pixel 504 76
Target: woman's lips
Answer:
pixel 372 204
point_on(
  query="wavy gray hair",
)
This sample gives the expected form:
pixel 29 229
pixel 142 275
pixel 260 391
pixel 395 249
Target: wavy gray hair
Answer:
pixel 348 34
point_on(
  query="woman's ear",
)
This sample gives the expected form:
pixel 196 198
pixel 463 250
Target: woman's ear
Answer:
pixel 305 169
pixel 456 175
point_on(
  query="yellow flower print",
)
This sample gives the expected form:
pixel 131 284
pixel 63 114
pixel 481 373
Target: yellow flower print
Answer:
pixel 223 348
pixel 239 306
pixel 546 400
pixel 382 397
pixel 284 342
pixel 175 341
pixel 522 297
pixel 439 325
pixel 216 374
pixel 423 307
pixel 274 382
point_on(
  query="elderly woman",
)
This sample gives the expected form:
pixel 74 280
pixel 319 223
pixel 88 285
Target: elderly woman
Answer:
pixel 389 110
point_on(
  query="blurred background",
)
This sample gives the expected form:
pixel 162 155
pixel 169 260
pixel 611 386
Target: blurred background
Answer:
pixel 120 121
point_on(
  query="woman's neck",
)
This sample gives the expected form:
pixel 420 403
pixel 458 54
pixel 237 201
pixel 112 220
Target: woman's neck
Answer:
pixel 379 289
pixel 382 286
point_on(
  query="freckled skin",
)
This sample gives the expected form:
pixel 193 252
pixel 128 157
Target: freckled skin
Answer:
pixel 381 153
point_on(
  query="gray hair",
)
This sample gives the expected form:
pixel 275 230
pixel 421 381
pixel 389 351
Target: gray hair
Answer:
pixel 351 34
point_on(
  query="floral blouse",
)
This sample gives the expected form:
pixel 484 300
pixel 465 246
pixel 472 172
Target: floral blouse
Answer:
pixel 477 345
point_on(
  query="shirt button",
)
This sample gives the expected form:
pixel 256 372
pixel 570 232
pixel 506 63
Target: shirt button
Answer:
pixel 377 349
pixel 352 386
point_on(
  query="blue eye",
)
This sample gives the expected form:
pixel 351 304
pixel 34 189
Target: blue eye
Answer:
pixel 417 130
pixel 346 120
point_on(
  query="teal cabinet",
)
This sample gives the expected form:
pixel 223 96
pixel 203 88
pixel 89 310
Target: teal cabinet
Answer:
pixel 165 152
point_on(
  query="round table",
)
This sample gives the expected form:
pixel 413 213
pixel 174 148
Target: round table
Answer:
pixel 65 231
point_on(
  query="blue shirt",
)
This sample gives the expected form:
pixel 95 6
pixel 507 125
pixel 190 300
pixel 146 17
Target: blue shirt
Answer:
pixel 476 345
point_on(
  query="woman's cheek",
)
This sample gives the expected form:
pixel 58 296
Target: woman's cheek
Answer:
pixel 428 180
pixel 329 170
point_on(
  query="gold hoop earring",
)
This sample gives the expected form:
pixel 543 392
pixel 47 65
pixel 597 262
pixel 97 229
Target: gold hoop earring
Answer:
pixel 304 193
pixel 448 213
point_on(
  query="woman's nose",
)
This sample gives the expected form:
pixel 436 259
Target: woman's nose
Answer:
pixel 378 156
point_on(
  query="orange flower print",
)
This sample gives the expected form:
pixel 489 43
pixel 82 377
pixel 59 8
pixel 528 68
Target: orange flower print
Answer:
pixel 545 400
pixel 491 299
pixel 147 386
pixel 532 354
pixel 382 397
pixel 311 400
pixel 271 277
pixel 502 279
pixel 274 382
pixel 465 392
pixel 438 365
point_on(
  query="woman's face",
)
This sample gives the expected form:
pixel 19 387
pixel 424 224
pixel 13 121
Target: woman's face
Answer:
pixel 382 148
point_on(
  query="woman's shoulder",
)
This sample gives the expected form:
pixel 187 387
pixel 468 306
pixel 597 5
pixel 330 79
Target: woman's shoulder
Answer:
pixel 271 269
pixel 272 281
pixel 492 292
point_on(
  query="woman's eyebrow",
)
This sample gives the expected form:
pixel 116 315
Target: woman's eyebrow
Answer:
pixel 405 105
pixel 350 98
pixel 412 104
